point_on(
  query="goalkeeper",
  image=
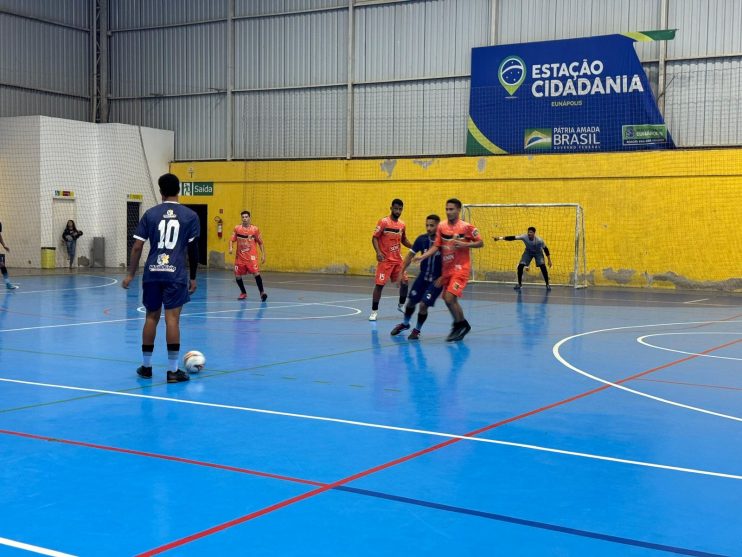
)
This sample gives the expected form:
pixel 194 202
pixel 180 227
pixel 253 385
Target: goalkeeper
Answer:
pixel 536 248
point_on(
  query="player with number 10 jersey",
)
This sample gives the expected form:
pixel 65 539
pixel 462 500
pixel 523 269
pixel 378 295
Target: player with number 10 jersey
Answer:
pixel 170 228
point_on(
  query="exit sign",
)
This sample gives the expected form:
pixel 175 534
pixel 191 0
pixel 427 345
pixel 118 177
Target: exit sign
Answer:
pixel 197 188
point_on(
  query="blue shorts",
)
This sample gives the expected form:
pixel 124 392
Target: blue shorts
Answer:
pixel 425 291
pixel 156 294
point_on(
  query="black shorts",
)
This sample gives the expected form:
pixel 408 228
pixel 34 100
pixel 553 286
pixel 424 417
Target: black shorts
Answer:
pixel 156 294
pixel 425 291
pixel 2 260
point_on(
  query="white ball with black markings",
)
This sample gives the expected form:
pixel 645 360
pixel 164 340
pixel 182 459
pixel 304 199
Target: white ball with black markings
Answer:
pixel 194 361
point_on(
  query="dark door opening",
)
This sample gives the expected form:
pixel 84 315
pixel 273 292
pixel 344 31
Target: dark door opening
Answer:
pixel 132 220
pixel 203 215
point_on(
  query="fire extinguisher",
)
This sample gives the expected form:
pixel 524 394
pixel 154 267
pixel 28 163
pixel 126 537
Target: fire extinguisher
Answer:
pixel 219 226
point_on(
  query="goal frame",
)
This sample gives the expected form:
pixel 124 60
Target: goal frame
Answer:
pixel 579 275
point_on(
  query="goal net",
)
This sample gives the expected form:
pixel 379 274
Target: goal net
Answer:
pixel 560 225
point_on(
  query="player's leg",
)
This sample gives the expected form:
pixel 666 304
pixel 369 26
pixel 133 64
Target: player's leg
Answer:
pixel 4 271
pixel 382 276
pixel 240 271
pixel 525 261
pixel 152 300
pixel 453 291
pixel 403 290
pixel 259 282
pixel 418 289
pixel 428 301
pixel 174 298
pixel 545 272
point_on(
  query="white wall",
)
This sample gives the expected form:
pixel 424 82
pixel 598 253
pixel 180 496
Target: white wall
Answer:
pixel 19 189
pixel 101 164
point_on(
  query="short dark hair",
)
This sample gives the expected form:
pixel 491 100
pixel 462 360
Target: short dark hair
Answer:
pixel 169 185
pixel 531 228
pixel 455 202
pixel 245 212
pixel 436 218
pixel 397 201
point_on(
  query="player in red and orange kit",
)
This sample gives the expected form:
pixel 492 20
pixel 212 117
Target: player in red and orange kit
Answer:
pixel 248 238
pixel 389 235
pixel 454 239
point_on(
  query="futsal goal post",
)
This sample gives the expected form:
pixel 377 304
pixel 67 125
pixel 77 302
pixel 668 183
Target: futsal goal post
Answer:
pixel 560 225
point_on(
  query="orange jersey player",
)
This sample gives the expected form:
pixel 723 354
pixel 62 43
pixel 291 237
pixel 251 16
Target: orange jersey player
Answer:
pixel 454 239
pixel 248 239
pixel 388 238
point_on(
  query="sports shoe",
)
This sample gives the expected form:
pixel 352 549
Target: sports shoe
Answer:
pixel 398 329
pixel 145 372
pixel 373 316
pixel 242 297
pixel 414 335
pixel 10 286
pixel 454 333
pixel 177 376
pixel 263 297
pixel 400 308
pixel 462 331
pixel 517 287
pixel 548 288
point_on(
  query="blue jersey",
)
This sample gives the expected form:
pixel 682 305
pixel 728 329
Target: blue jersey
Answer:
pixel 430 269
pixel 169 227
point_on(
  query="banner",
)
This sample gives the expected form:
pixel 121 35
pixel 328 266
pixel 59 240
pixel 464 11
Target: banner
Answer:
pixel 568 96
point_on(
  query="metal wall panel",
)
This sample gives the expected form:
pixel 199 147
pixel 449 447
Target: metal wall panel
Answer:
pixel 20 102
pixel 412 118
pixel 44 56
pixel 418 39
pixel 295 50
pixel 266 7
pixel 703 102
pixel 70 12
pixel 170 61
pixel 127 14
pixel 198 122
pixel 301 123
pixel 520 21
pixel 705 28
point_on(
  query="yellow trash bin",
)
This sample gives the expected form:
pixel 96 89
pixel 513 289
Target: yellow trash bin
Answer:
pixel 48 258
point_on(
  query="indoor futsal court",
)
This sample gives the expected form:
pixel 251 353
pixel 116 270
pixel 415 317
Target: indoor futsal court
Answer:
pixel 570 422
pixel 464 278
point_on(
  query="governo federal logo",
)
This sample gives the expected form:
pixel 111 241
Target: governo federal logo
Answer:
pixel 512 73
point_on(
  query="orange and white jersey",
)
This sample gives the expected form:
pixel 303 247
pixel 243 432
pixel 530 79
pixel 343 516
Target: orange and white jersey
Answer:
pixel 248 238
pixel 390 232
pixel 455 260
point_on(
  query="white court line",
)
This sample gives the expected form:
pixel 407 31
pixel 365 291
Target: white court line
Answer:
pixel 564 362
pixel 115 281
pixel 641 340
pixel 182 315
pixel 33 548
pixel 694 301
pixel 380 426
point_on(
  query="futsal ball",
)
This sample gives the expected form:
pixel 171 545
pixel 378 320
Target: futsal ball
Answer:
pixel 194 361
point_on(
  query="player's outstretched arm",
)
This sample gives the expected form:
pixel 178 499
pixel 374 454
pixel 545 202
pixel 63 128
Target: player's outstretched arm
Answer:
pixel 506 238
pixel 407 261
pixel 2 242
pixel 430 253
pixel 548 255
pixel 136 255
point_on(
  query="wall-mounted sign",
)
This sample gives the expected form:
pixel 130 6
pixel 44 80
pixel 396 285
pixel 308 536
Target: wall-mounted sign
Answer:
pixel 197 188
pixel 134 197
pixel 64 194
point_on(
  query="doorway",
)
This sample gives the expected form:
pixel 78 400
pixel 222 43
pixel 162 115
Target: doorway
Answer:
pixel 132 220
pixel 202 210
pixel 62 211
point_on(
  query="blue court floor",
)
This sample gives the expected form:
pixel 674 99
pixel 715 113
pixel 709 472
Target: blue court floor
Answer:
pixel 593 422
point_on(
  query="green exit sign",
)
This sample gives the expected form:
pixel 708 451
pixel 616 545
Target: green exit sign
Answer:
pixel 197 188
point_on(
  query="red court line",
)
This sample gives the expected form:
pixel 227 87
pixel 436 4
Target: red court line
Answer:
pixel 694 384
pixel 395 462
pixel 158 456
